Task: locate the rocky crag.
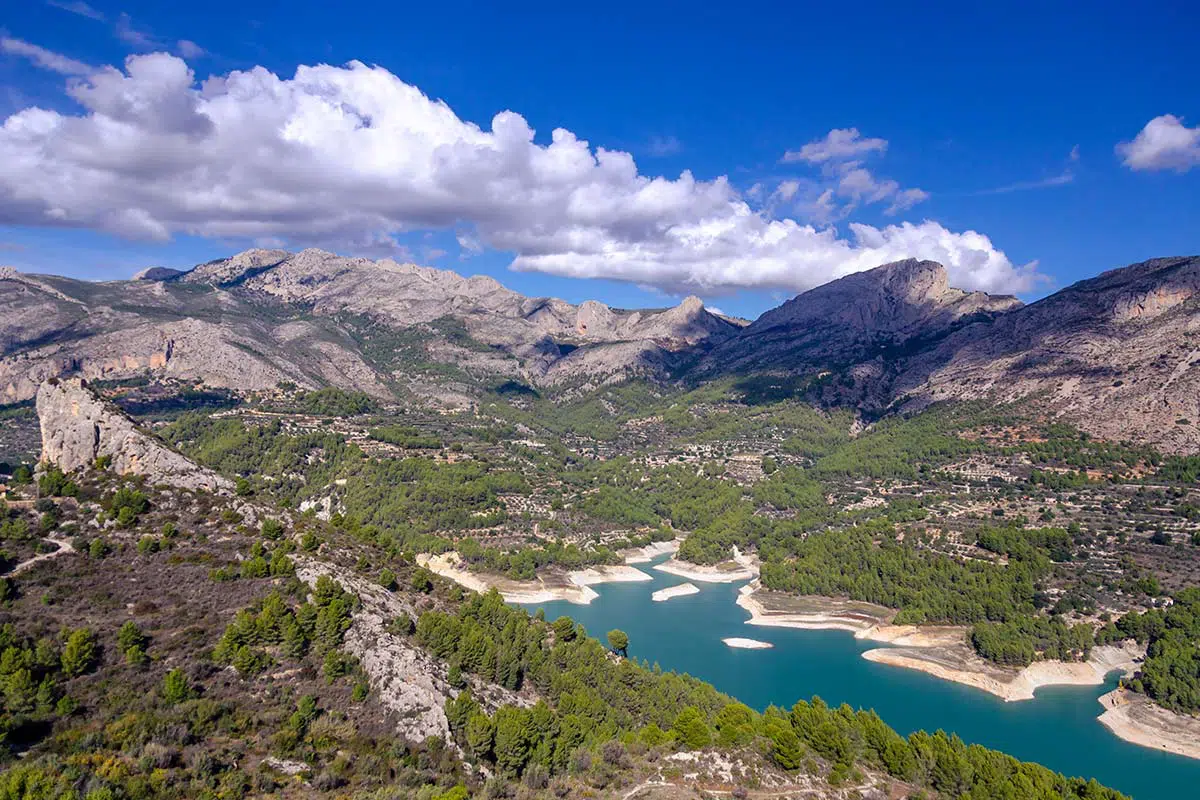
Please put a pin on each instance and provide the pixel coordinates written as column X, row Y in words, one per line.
column 78, row 427
column 1118, row 355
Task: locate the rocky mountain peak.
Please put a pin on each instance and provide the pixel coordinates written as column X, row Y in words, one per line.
column 235, row 268
column 892, row 298
column 157, row 274
column 915, row 280
column 78, row 427
column 691, row 306
column 594, row 318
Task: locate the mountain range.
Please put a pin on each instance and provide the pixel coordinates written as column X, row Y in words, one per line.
column 1118, row 355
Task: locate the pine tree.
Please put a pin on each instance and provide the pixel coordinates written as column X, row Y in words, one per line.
column 79, row 654
column 175, row 688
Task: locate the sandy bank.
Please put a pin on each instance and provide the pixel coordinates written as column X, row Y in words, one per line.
column 674, row 591
column 958, row 662
column 747, row 644
column 915, row 635
column 595, row 575
column 831, row 614
column 574, row 587
column 1136, row 719
column 739, row 568
column 644, row 555
column 721, row 573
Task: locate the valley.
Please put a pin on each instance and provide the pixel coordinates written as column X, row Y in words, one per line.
column 373, row 458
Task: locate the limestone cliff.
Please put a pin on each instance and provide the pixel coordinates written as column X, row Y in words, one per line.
column 78, row 427
column 1118, row 355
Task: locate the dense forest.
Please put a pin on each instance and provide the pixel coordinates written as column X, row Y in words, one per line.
column 868, row 563
column 1170, row 675
column 806, row 545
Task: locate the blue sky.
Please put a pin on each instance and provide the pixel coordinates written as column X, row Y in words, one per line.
column 1005, row 122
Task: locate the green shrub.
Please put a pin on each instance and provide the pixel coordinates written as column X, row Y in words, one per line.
column 176, row 688
column 387, row 579
column 80, row 652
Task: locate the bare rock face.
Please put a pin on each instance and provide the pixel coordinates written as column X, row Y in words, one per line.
column 313, row 318
column 407, row 680
column 225, row 271
column 1118, row 355
column 58, row 327
column 78, row 427
column 157, row 274
column 856, row 317
column 29, row 313
column 404, row 295
column 898, row 298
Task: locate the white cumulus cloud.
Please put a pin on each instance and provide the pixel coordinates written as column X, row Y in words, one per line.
column 1165, row 143
column 353, row 156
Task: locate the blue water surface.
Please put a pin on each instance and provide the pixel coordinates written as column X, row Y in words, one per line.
column 1058, row 728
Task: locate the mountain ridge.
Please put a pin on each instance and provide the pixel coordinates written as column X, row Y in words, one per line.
column 1118, row 354
column 262, row 317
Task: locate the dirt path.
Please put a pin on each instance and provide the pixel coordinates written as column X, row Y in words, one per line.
column 792, row 791
column 63, row 547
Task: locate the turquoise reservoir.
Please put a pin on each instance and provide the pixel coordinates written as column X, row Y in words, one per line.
column 1058, row 728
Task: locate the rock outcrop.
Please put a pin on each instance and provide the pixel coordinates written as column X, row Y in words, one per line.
column 78, row 427
column 407, row 680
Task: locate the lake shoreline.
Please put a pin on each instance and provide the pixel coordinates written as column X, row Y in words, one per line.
column 644, row 555
column 573, row 587
column 688, row 635
column 1136, row 719
column 1009, row 685
column 940, row 651
column 943, row 651
column 739, row 568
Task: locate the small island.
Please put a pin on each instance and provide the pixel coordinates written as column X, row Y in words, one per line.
column 747, row 644
column 682, row 590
